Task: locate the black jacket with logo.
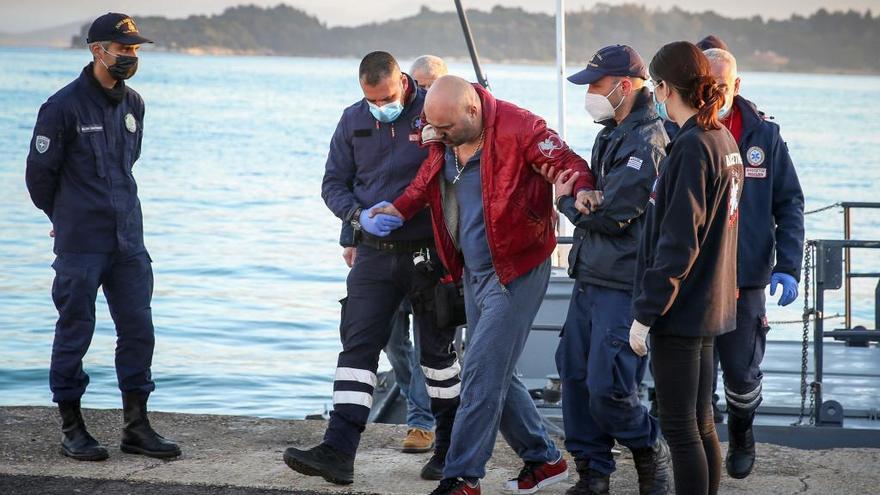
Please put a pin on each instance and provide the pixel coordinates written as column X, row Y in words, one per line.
column 686, row 266
column 79, row 168
column 625, row 161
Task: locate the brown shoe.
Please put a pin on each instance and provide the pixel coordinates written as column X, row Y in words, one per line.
column 418, row 440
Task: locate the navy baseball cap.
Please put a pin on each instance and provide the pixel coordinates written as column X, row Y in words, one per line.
column 711, row 41
column 614, row 60
column 116, row 27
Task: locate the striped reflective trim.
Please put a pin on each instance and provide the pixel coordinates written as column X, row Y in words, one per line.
column 444, row 392
column 444, row 374
column 744, row 401
column 356, row 398
column 356, row 375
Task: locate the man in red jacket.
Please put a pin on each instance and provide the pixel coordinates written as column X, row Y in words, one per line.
column 494, row 228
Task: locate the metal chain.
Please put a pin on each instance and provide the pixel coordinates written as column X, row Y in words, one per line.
column 808, row 262
column 801, row 320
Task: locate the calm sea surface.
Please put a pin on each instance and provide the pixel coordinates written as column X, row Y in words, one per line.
column 248, row 270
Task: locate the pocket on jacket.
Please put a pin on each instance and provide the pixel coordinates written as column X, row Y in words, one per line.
column 98, row 151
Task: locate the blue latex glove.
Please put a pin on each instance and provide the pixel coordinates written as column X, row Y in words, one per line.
column 789, row 288
column 380, row 225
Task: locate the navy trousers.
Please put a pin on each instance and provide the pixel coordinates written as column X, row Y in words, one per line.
column 741, row 352
column 600, row 377
column 377, row 284
column 127, row 280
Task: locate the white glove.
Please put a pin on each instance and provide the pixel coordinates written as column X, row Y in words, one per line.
column 638, row 334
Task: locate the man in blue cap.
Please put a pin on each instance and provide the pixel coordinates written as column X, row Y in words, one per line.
column 85, row 143
column 600, row 373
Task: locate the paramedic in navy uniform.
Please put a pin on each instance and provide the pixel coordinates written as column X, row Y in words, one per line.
column 79, row 172
column 685, row 289
column 770, row 251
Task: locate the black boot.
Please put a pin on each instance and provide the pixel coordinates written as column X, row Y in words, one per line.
column 591, row 482
column 652, row 465
column 324, row 461
column 717, row 413
column 138, row 437
column 76, row 442
column 741, row 446
column 433, row 470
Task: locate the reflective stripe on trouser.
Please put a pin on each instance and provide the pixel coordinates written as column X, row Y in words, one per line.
column 492, row 397
column 600, row 376
column 127, row 280
column 377, row 283
column 741, row 352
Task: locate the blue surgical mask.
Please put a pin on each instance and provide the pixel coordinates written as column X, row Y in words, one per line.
column 386, row 113
column 660, row 107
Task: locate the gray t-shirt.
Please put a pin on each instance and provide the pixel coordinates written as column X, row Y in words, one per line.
column 468, row 193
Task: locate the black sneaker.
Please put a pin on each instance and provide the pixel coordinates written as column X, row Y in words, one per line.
column 457, row 486
column 433, row 470
column 324, row 461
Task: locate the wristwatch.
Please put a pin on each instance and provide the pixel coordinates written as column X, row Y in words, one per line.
column 355, row 220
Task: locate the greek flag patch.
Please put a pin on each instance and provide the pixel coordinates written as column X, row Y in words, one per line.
column 635, row 163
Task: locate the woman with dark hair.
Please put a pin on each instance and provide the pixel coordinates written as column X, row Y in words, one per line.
column 685, row 292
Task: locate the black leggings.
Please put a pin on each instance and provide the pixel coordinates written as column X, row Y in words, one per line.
column 683, row 369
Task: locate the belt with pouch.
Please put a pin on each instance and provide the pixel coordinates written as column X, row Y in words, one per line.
column 396, row 246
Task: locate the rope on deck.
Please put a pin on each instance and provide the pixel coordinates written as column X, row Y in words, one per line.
column 819, row 210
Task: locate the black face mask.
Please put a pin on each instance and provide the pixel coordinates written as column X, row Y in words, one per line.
column 124, row 68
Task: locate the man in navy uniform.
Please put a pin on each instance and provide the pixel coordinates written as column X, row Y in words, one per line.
column 770, row 251
column 375, row 154
column 600, row 376
column 79, row 172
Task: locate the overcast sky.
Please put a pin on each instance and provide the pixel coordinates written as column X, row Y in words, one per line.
column 28, row 15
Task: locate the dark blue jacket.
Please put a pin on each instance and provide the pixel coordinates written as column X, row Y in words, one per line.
column 771, row 225
column 625, row 162
column 370, row 161
column 79, row 167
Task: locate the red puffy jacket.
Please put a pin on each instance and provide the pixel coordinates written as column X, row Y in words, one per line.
column 517, row 201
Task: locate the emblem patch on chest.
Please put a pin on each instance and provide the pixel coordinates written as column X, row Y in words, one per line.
column 130, row 122
column 755, row 156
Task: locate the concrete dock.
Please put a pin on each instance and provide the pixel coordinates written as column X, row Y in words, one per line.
column 231, row 455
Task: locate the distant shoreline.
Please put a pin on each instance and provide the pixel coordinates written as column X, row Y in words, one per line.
column 209, row 51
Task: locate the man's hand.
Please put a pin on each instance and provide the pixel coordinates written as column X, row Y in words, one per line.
column 587, row 202
column 549, row 173
column 638, row 337
column 564, row 184
column 385, row 208
column 349, row 254
column 378, row 223
column 789, row 288
column 52, row 233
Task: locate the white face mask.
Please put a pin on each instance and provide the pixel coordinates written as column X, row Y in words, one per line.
column 599, row 107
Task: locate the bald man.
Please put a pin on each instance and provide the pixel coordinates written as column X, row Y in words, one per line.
column 427, row 69
column 494, row 229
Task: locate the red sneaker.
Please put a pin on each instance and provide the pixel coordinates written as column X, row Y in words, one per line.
column 457, row 486
column 536, row 475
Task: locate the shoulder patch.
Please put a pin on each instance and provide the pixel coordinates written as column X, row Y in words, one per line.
column 635, row 163
column 130, row 122
column 550, row 145
column 41, row 144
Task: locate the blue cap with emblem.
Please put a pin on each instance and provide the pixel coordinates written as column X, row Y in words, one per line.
column 115, row 27
column 614, row 60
